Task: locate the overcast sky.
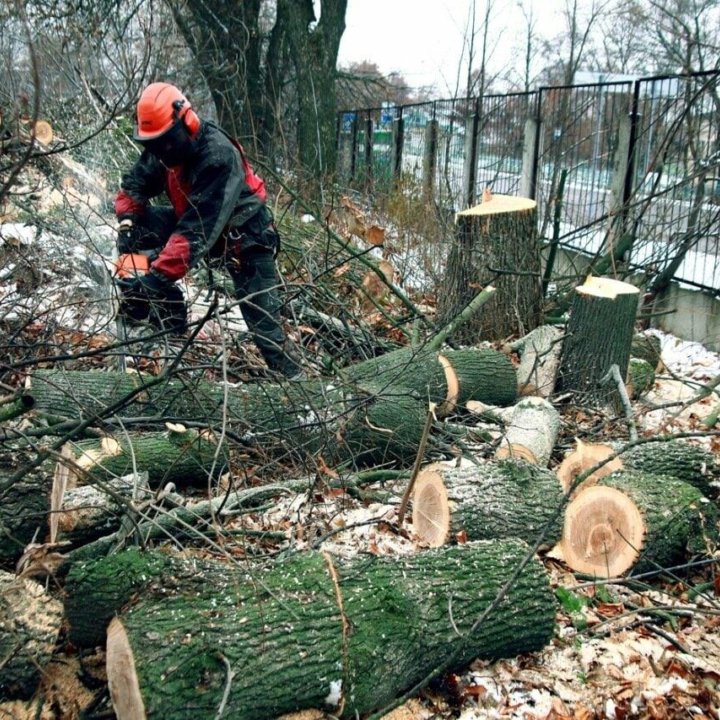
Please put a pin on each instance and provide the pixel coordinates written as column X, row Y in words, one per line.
column 424, row 40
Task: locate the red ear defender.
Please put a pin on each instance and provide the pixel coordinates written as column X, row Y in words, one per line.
column 183, row 110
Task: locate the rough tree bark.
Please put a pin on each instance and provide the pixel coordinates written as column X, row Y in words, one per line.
column 599, row 334
column 502, row 499
column 531, row 431
column 310, row 631
column 497, row 244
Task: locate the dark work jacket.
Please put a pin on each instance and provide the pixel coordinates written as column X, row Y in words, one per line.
column 208, row 192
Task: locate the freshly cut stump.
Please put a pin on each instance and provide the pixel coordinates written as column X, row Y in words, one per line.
column 315, row 631
column 599, row 334
column 499, row 499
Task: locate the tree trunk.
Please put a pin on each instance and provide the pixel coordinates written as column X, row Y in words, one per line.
column 29, row 625
column 310, row 631
column 531, row 432
column 599, row 335
column 638, row 521
column 503, row 499
column 497, row 244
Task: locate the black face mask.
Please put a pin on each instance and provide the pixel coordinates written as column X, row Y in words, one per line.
column 173, row 147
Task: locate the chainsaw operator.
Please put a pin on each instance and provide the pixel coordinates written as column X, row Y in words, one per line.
column 217, row 211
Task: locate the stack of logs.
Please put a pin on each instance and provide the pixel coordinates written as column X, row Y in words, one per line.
column 187, row 636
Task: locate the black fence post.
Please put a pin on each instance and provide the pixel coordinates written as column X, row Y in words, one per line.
column 369, row 149
column 472, row 127
column 353, row 146
column 430, row 158
column 398, row 142
column 535, row 162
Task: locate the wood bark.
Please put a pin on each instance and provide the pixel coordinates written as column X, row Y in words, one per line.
column 496, row 244
column 599, row 335
column 500, row 499
column 648, row 348
column 312, row 630
column 531, row 432
column 636, row 521
column 640, row 377
column 539, row 360
column 29, row 626
column 180, row 455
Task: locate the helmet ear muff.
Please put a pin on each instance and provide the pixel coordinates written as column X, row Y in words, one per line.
column 183, row 110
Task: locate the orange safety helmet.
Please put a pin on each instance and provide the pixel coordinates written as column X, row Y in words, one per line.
column 160, row 107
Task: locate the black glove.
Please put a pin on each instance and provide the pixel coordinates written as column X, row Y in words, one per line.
column 128, row 237
column 153, row 297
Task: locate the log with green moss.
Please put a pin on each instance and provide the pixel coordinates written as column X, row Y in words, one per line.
column 499, row 499
column 183, row 456
column 678, row 458
column 637, row 521
column 648, row 348
column 311, row 630
column 640, row 377
column 485, row 375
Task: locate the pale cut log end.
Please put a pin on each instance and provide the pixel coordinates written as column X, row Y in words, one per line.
column 582, row 459
column 453, row 388
column 603, row 533
column 122, row 677
column 606, row 287
column 516, row 452
column 498, row 204
column 431, row 510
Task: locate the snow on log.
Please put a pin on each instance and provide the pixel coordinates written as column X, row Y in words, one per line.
column 496, row 243
column 531, row 432
column 311, row 630
column 499, row 499
column 539, row 353
column 636, row 521
column 29, row 625
column 599, row 334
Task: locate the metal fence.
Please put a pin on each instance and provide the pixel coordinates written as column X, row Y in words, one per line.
column 633, row 165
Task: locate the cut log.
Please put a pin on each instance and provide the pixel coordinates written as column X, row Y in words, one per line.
column 640, row 377
column 313, row 630
column 680, row 459
column 636, row 521
column 599, row 334
column 29, row 625
column 539, row 353
column 502, row 499
column 179, row 455
column 580, row 460
column 450, row 377
column 86, row 513
column 496, row 244
column 531, row 432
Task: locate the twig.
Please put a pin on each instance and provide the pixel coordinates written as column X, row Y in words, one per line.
column 418, row 461
column 228, row 684
column 471, row 308
column 614, row 374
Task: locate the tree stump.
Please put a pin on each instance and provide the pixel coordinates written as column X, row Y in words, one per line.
column 636, row 521
column 312, row 630
column 501, row 499
column 496, row 244
column 599, row 335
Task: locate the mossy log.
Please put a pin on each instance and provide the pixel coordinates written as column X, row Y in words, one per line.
column 496, row 243
column 636, row 521
column 180, row 455
column 640, row 377
column 499, row 499
column 531, row 432
column 24, row 510
column 311, row 416
column 311, row 630
column 29, row 626
column 447, row 378
column 648, row 348
column 599, row 335
column 680, row 459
